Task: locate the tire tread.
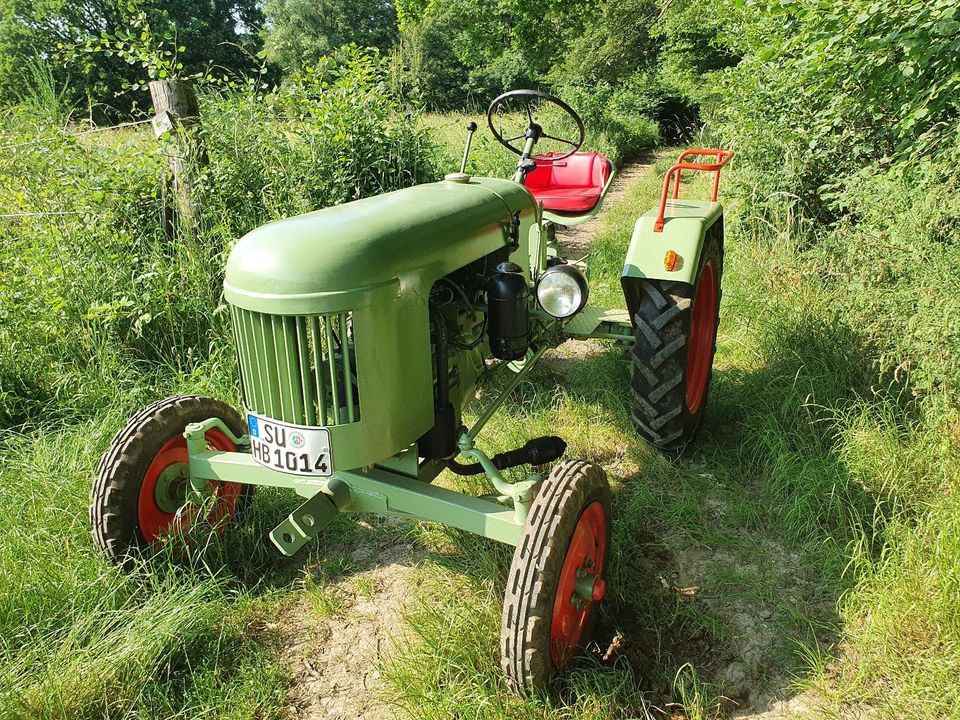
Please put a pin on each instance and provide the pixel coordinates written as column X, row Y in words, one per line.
column 659, row 357
column 530, row 592
column 115, row 490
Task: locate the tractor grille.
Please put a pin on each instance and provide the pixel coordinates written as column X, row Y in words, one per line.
column 298, row 369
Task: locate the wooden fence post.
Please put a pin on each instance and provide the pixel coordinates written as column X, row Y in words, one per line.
column 178, row 111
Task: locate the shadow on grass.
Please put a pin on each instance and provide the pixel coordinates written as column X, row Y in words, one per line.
column 730, row 560
column 727, row 564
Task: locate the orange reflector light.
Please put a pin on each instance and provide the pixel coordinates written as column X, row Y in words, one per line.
column 671, row 261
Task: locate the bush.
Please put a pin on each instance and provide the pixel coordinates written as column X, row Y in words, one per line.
column 96, row 304
column 621, row 117
column 894, row 256
column 824, row 89
column 330, row 134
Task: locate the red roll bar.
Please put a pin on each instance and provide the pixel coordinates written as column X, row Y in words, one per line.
column 722, row 156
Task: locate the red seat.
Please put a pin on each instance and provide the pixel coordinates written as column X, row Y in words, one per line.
column 573, row 184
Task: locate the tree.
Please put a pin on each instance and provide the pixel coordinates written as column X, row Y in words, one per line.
column 303, row 31
column 217, row 33
column 454, row 52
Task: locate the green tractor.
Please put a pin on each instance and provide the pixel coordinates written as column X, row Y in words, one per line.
column 364, row 330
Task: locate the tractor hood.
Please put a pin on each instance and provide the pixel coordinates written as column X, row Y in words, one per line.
column 327, row 260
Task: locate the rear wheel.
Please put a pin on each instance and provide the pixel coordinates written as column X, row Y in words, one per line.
column 557, row 577
column 139, row 495
column 676, row 337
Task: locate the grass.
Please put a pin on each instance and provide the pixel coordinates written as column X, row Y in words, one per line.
column 707, row 522
column 808, row 541
column 777, row 554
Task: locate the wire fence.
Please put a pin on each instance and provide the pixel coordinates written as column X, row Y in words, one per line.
column 41, row 140
column 43, row 214
column 49, row 138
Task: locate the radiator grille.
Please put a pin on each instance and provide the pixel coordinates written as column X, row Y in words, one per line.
column 298, row 369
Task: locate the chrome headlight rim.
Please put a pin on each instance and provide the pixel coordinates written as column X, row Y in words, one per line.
column 569, row 272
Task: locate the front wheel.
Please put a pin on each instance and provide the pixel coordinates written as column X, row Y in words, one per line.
column 676, row 336
column 139, row 495
column 557, row 577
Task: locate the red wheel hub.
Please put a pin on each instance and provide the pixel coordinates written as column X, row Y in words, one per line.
column 703, row 333
column 581, row 584
column 154, row 520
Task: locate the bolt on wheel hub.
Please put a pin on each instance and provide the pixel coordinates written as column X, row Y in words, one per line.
column 170, row 492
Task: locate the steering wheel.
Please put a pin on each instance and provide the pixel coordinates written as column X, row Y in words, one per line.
column 534, row 130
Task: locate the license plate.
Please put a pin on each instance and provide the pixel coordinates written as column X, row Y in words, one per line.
column 294, row 449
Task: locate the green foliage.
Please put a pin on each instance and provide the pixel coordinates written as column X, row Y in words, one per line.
column 301, row 32
column 214, row 34
column 827, row 88
column 426, row 68
column 498, row 44
column 338, row 135
column 611, row 43
column 92, row 287
column 601, row 58
column 409, row 12
column 881, row 72
column 619, row 119
column 445, row 54
column 692, row 37
column 896, row 246
column 136, row 44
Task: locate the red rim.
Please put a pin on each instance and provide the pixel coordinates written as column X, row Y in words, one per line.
column 703, row 333
column 154, row 521
column 586, row 554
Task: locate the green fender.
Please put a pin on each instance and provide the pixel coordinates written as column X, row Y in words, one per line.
column 685, row 226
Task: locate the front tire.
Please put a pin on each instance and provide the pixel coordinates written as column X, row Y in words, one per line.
column 139, row 495
column 672, row 356
column 557, row 577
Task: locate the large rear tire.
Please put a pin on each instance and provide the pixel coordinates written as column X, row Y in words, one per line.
column 676, row 337
column 139, row 495
column 557, row 577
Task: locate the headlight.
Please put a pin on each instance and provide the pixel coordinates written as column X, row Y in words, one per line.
column 562, row 291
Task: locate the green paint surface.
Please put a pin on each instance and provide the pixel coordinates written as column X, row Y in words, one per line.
column 373, row 261
column 685, row 225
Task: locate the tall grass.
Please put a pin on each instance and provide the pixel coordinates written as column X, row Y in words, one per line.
column 100, row 313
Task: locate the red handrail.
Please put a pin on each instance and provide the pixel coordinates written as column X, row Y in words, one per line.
column 722, row 156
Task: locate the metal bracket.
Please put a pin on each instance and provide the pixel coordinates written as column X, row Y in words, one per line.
column 528, row 364
column 196, row 437
column 522, row 493
column 196, row 433
column 372, row 490
column 303, row 524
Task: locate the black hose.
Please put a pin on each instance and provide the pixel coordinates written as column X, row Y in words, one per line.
column 461, row 469
column 536, row 452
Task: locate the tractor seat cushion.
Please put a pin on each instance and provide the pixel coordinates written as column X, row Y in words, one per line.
column 573, row 184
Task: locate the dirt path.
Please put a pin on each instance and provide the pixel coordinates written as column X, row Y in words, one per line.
column 576, row 240
column 338, row 630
